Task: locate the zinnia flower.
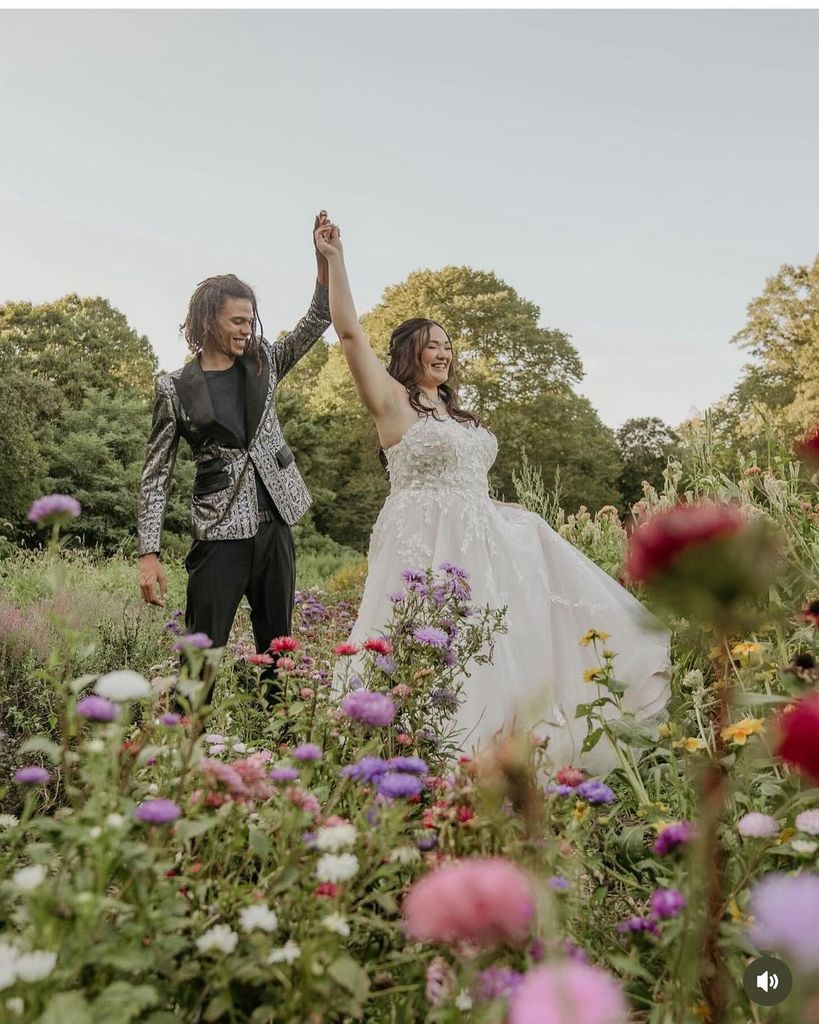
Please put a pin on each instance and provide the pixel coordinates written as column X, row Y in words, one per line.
column 32, row 775
column 754, row 825
column 157, row 812
column 568, row 993
column 799, row 735
column 122, row 685
column 785, row 911
column 369, row 707
column 284, row 644
column 484, row 902
column 97, row 709
column 54, row 509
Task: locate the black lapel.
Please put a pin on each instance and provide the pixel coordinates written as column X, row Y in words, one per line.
column 256, row 385
column 192, row 388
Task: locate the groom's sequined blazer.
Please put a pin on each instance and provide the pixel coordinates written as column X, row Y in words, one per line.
column 224, row 494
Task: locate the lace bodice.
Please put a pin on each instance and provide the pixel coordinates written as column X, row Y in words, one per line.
column 442, row 455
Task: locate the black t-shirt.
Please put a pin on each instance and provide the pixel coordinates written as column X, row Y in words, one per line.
column 227, row 393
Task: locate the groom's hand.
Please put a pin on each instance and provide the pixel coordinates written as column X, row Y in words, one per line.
column 322, row 270
column 152, row 582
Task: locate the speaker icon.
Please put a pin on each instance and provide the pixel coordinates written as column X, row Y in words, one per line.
column 767, row 980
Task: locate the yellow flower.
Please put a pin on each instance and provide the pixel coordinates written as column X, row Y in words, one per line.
column 608, row 653
column 581, row 810
column 786, row 835
column 703, row 1011
column 666, row 729
column 690, row 743
column 592, row 635
column 740, row 731
column 747, row 653
column 734, row 912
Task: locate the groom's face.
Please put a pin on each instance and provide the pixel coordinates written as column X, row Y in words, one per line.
column 436, row 358
column 235, row 326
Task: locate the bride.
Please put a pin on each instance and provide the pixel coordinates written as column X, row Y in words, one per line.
column 438, row 457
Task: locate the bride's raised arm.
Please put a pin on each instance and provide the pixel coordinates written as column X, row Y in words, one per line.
column 376, row 388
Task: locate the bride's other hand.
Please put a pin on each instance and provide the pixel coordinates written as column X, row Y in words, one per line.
column 328, row 240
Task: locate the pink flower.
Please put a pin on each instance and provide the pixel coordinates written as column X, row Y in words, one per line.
column 568, row 993
column 306, row 692
column 306, row 800
column 754, row 825
column 401, row 691
column 286, row 664
column 284, row 643
column 346, row 650
column 369, row 707
column 253, row 772
column 218, row 771
column 259, row 659
column 403, row 739
column 484, row 902
column 570, row 776
column 378, row 644
column 54, row 508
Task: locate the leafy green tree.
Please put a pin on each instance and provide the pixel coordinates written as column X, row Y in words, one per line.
column 22, row 467
column 645, row 444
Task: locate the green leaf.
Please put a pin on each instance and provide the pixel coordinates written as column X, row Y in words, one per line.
column 259, row 843
column 41, row 745
column 591, row 740
column 190, row 829
column 130, row 959
column 631, row 732
column 351, row 976
column 66, row 1008
column 218, row 1006
column 122, row 1002
column 629, row 967
column 149, row 752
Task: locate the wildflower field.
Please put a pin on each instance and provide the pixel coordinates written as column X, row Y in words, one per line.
column 291, row 857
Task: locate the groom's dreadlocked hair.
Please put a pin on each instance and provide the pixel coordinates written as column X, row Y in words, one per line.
column 406, row 344
column 205, row 306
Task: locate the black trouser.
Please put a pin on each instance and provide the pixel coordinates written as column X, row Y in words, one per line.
column 261, row 568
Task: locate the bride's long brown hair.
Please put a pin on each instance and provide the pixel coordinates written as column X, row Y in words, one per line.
column 406, row 344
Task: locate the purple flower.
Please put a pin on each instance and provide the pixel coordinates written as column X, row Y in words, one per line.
column 413, row 576
column 595, row 792
column 307, row 752
column 413, row 765
column 453, row 570
column 284, row 774
column 574, row 952
column 170, row 719
column 430, row 636
column 54, row 508
column 97, row 709
column 439, row 595
column 444, row 698
column 638, row 924
column 449, row 658
column 558, row 883
column 559, row 789
column 398, row 785
column 386, row 663
column 308, row 838
column 366, row 770
column 368, row 707
column 497, row 983
column 785, row 910
column 396, row 597
column 672, row 836
column 157, row 812
column 428, row 841
column 200, row 640
column 172, row 626
column 32, row 775
column 667, row 902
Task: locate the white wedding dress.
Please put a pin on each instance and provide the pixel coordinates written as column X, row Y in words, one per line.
column 439, row 510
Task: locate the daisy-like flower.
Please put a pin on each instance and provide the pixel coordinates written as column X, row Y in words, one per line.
column 27, row 879
column 754, row 825
column 286, row 954
column 337, row 837
column 221, row 938
column 690, row 744
column 431, row 636
column 257, row 915
column 739, row 732
column 593, row 634
column 337, row 867
column 747, row 653
column 369, row 707
column 594, row 675
column 366, row 769
column 337, row 923
column 808, row 821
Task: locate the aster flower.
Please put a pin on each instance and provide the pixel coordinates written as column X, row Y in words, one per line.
column 170, row 719
column 157, row 812
column 284, row 773
column 568, row 993
column 754, row 825
column 413, row 576
column 307, row 752
column 379, row 644
column 638, row 923
column 497, row 983
column 444, row 698
column 408, row 764
column 558, row 883
column 32, row 775
column 369, row 707
column 367, row 769
column 454, row 570
column 553, row 789
column 97, row 709
column 199, row 640
column 595, row 792
column 667, row 902
column 385, row 663
column 431, row 636
column 284, row 645
column 54, row 509
column 346, row 650
column 261, row 660
column 672, row 836
column 397, row 785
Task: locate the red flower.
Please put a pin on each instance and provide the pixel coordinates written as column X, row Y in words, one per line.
column 808, row 447
column 403, row 739
column 654, row 546
column 282, row 644
column 214, row 800
column 378, row 644
column 345, row 650
column 259, row 659
column 326, row 889
column 811, row 613
column 570, row 776
column 799, row 736
column 465, row 814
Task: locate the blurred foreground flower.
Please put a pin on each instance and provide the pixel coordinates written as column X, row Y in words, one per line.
column 568, row 993
column 54, row 510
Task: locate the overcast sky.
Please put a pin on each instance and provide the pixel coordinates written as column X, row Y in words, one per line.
column 637, row 175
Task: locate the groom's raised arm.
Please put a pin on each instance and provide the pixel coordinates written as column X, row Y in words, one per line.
column 287, row 351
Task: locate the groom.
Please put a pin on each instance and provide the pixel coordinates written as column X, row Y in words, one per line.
column 248, row 491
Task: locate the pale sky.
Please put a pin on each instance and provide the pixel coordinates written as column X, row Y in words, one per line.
column 636, row 174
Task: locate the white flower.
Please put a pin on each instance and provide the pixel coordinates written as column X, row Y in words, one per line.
column 95, row 746
column 215, row 737
column 217, row 748
column 115, row 820
column 258, row 916
column 754, row 825
column 808, row 821
column 220, row 937
column 35, row 966
column 153, row 787
column 240, row 748
column 287, row 953
column 804, row 845
column 463, row 1000
column 26, row 879
column 8, row 821
column 336, row 837
column 337, row 867
column 95, row 832
column 8, row 965
column 405, row 855
column 337, row 923
column 122, row 685
column 16, row 1006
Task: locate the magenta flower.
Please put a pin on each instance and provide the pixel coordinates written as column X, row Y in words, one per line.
column 32, row 775
column 398, row 785
column 307, row 752
column 97, row 709
column 497, row 983
column 171, row 719
column 54, row 508
column 638, row 924
column 672, row 836
column 568, row 993
column 368, row 707
column 667, row 902
column 157, row 812
column 431, row 636
column 200, row 640
column 284, row 774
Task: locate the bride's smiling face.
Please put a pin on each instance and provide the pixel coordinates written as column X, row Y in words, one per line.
column 435, row 358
